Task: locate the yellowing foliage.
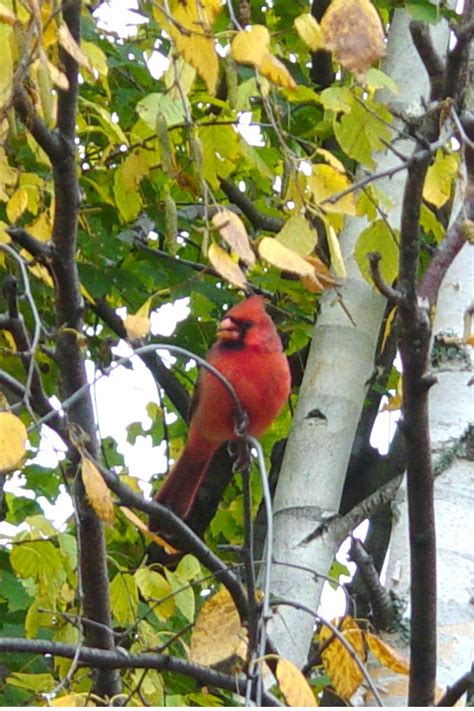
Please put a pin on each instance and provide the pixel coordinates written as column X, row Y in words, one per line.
column 189, row 26
column 12, row 441
column 97, row 491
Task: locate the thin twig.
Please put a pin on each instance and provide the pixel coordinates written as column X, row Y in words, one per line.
column 338, row 634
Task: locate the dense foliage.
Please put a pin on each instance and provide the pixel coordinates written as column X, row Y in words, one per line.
column 266, row 125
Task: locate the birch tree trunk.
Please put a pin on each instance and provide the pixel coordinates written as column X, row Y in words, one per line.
column 340, row 363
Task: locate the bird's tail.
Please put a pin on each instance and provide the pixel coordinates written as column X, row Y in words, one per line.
column 182, row 483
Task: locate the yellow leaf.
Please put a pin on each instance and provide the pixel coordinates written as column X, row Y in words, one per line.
column 324, row 182
column 190, row 30
column 439, row 179
column 7, row 16
column 137, row 327
column 179, row 77
column 395, row 402
column 96, row 57
column 331, row 159
column 339, row 665
column 73, row 700
column 6, row 66
column 17, row 204
column 251, row 45
column 337, row 262
column 57, row 76
column 283, row 258
column 353, row 32
column 98, row 493
column 69, row 44
column 217, row 635
column 293, row 685
column 387, row 655
column 141, row 525
column 41, row 228
column 276, row 72
column 226, row 267
column 388, row 327
column 310, row 31
column 4, row 237
column 232, row 230
column 12, row 441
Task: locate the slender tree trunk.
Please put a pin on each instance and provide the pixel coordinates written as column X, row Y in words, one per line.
column 339, row 366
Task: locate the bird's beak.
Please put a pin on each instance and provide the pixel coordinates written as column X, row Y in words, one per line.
column 228, row 330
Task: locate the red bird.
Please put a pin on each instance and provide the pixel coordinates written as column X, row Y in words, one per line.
column 248, row 352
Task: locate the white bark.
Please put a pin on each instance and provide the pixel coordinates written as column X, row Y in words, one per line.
column 340, row 363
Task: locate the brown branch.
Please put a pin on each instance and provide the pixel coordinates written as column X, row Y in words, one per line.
column 183, row 536
column 414, row 342
column 41, row 250
column 339, row 527
column 380, row 601
column 457, row 74
column 106, row 659
column 257, row 219
column 392, row 295
column 447, row 250
column 60, row 147
column 421, row 36
column 453, row 693
column 50, row 141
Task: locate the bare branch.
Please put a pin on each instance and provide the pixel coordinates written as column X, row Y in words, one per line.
column 106, row 659
column 257, row 219
column 421, row 36
column 448, row 248
column 453, row 693
column 392, row 295
column 380, row 601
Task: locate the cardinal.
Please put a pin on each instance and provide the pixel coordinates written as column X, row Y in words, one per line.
column 249, row 353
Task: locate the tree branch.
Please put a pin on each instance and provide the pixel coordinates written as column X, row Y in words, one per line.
column 414, row 343
column 106, row 659
column 421, row 36
column 380, row 601
column 448, row 248
column 50, row 141
column 182, row 535
column 392, row 295
column 257, row 219
column 461, row 686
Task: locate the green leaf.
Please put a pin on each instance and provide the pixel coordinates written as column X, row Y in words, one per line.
column 13, row 592
column 184, row 597
column 335, row 571
column 363, row 130
column 298, row 235
column 338, row 99
column 154, row 587
column 154, row 104
column 377, row 237
column 220, row 146
column 377, row 79
column 39, row 683
column 189, row 568
column 124, row 598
